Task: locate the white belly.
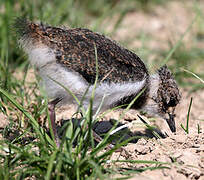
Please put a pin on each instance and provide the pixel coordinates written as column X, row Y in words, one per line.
column 109, row 92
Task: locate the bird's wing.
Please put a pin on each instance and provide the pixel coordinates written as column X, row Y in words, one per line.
column 115, row 63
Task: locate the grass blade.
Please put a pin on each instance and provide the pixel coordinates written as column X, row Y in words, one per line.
column 50, row 165
column 188, row 117
column 193, row 74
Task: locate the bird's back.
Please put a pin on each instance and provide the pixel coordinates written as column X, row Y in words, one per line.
column 75, row 50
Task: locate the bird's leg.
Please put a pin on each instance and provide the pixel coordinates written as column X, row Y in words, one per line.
column 51, row 110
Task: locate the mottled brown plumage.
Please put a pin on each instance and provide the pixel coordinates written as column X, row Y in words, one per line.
column 168, row 91
column 68, row 56
column 74, row 49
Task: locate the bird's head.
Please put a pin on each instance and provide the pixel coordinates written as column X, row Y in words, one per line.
column 164, row 95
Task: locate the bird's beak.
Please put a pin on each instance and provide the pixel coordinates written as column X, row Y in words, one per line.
column 171, row 122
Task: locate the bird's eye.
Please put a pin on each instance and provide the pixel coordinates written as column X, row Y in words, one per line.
column 172, row 102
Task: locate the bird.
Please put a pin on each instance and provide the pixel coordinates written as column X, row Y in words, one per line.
column 74, row 57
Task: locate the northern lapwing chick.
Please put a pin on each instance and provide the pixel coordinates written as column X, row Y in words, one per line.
column 68, row 57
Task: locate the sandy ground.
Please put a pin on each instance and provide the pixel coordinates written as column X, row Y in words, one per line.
column 185, row 150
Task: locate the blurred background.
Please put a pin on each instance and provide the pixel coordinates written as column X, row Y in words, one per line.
column 159, row 31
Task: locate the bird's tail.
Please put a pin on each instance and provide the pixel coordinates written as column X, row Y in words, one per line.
column 23, row 27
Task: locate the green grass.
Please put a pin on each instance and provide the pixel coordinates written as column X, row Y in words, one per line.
column 28, row 149
column 187, row 119
column 186, row 129
column 40, row 158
